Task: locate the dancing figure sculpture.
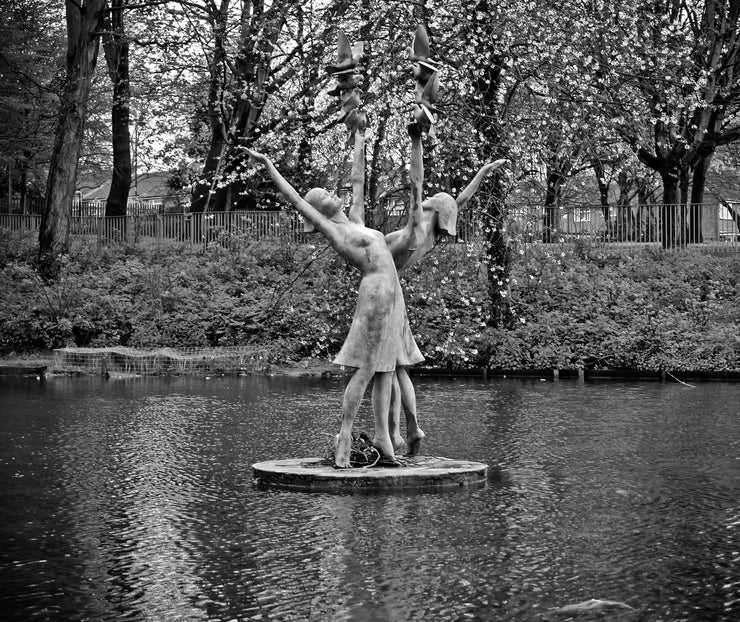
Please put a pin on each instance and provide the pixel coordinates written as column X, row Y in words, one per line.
column 380, row 346
column 379, row 338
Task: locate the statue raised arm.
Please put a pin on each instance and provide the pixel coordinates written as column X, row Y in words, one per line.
column 427, row 221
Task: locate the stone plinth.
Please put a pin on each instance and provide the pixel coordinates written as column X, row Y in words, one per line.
column 418, row 472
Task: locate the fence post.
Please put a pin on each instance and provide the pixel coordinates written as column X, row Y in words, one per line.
column 715, row 219
column 157, row 231
column 101, row 231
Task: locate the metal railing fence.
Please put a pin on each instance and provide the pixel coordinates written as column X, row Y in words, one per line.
column 663, row 226
column 666, row 226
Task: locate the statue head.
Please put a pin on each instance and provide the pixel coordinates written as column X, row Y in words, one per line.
column 442, row 210
column 325, row 202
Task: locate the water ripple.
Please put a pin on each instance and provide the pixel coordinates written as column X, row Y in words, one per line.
column 134, row 501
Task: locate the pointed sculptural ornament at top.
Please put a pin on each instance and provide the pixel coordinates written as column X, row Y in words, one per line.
column 348, row 78
column 427, row 82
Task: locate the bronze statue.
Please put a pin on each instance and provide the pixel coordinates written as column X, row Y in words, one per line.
column 380, row 338
column 380, row 345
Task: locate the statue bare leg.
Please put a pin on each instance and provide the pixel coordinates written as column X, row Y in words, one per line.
column 353, row 394
column 414, row 433
column 394, row 415
column 381, row 401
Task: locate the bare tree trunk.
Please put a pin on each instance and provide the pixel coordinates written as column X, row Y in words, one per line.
column 206, row 195
column 698, row 184
column 24, row 189
column 603, row 185
column 668, row 164
column 669, row 213
column 82, row 52
column 486, row 88
column 627, row 224
column 116, row 46
column 555, row 182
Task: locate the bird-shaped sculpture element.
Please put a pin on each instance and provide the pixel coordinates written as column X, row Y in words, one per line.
column 349, row 100
column 428, row 95
column 424, row 110
column 420, row 49
column 348, row 79
column 427, row 82
column 355, row 121
column 347, row 57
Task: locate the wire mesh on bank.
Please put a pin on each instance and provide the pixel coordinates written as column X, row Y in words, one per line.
column 160, row 361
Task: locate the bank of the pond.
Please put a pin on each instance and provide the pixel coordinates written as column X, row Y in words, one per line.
column 47, row 366
column 570, row 308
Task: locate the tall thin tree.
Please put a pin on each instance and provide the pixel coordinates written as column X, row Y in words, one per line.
column 116, row 48
column 83, row 42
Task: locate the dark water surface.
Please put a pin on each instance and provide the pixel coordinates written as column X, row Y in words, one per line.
column 134, row 501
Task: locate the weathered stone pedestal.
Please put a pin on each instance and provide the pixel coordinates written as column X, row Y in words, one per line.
column 418, row 472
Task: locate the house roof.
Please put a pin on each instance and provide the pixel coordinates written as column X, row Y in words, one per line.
column 145, row 185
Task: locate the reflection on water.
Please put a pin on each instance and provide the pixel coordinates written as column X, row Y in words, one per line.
column 133, row 501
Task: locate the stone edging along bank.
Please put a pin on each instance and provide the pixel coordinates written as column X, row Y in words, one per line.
column 39, row 367
column 583, row 374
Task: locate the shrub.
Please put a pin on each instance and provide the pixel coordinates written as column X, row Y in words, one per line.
column 571, row 309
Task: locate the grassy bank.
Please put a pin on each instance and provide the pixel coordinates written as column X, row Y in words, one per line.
column 573, row 308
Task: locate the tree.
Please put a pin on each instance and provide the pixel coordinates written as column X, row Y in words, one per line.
column 29, row 60
column 670, row 83
column 83, row 41
column 485, row 102
column 116, row 48
column 242, row 74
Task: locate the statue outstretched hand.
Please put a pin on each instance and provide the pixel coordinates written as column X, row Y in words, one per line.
column 492, row 166
column 258, row 157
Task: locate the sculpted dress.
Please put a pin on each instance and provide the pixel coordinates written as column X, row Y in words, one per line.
column 380, row 337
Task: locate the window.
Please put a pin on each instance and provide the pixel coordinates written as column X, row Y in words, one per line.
column 581, row 214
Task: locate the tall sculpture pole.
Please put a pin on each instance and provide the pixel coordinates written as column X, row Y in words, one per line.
column 427, row 83
column 427, row 221
column 347, row 89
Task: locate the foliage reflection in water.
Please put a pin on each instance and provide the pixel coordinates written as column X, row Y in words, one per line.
column 133, row 500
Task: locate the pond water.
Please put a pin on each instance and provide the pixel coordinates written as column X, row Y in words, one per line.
column 133, row 500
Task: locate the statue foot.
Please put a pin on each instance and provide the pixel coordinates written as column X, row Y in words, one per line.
column 342, row 452
column 386, row 451
column 397, row 441
column 413, row 443
column 388, row 462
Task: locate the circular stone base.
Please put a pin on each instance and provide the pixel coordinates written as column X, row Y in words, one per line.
column 317, row 474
